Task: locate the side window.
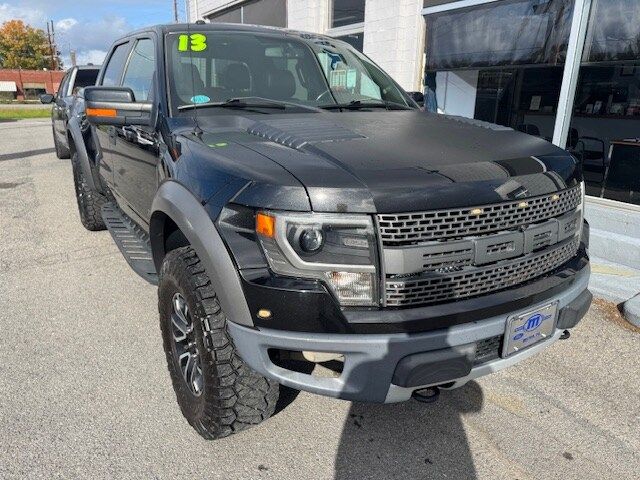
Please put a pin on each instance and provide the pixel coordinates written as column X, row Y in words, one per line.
column 140, row 70
column 64, row 85
column 115, row 66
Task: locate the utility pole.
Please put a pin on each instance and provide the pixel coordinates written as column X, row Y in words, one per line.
column 72, row 55
column 50, row 46
column 175, row 10
column 54, row 55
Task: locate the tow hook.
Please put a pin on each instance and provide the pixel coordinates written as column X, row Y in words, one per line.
column 426, row 395
column 565, row 335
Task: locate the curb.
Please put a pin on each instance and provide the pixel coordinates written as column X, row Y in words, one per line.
column 631, row 310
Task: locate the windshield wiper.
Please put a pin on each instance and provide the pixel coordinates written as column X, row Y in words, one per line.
column 249, row 102
column 359, row 104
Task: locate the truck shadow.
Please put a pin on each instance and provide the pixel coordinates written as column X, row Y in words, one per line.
column 409, row 440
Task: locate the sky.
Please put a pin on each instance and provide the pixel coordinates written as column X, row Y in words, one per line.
column 89, row 27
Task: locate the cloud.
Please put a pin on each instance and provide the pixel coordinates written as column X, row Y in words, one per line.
column 32, row 16
column 66, row 24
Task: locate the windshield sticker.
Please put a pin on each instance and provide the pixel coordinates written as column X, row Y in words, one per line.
column 338, row 79
column 196, row 42
column 352, row 76
column 200, row 99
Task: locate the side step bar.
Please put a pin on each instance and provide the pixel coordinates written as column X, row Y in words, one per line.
column 132, row 241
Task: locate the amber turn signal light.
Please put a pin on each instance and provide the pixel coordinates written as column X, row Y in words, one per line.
column 265, row 225
column 101, row 112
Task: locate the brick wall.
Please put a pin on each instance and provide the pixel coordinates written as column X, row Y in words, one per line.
column 51, row 79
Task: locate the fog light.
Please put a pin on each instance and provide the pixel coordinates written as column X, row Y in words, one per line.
column 352, row 289
column 311, row 240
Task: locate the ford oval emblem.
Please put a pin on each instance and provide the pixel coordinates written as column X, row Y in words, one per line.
column 533, row 322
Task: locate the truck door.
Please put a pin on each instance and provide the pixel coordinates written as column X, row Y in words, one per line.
column 136, row 149
column 112, row 76
column 59, row 108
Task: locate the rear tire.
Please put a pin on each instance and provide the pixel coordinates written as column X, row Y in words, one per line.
column 226, row 395
column 89, row 201
column 62, row 152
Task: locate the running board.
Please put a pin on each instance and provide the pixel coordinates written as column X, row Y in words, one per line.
column 132, row 241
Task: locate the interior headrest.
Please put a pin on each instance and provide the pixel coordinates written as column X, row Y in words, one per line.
column 281, row 84
column 237, row 77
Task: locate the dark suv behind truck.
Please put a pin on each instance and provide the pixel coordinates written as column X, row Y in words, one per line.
column 63, row 101
column 295, row 207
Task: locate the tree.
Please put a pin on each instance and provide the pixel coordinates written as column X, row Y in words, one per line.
column 22, row 46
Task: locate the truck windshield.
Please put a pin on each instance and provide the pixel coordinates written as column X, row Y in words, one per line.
column 208, row 69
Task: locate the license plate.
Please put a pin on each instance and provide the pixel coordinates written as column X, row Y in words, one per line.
column 529, row 328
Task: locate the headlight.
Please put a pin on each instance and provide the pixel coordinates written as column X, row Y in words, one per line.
column 339, row 250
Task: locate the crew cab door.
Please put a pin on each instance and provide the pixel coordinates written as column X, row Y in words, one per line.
column 111, row 76
column 136, row 148
column 59, row 110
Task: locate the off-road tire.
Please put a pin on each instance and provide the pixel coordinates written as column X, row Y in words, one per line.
column 233, row 397
column 62, row 152
column 89, row 201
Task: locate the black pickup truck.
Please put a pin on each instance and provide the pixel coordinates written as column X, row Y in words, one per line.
column 295, row 207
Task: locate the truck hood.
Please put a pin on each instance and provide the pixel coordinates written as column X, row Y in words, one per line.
column 400, row 161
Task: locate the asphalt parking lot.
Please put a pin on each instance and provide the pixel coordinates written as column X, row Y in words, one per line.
column 84, row 391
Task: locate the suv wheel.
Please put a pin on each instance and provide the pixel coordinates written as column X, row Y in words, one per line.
column 89, row 201
column 217, row 392
column 62, row 152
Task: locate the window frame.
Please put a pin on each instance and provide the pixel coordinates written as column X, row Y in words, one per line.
column 134, row 43
column 103, row 70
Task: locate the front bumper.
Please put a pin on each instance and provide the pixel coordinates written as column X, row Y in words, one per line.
column 371, row 370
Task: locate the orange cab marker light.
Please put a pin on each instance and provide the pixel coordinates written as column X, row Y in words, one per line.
column 101, row 112
column 265, row 225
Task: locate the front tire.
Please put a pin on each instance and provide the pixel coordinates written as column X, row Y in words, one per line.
column 89, row 201
column 217, row 392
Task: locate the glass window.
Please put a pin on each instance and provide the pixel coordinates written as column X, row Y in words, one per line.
column 613, row 31
column 514, row 32
column 113, row 71
column 64, row 85
column 85, row 78
column 356, row 40
column 499, row 62
column 140, row 70
column 233, row 65
column 266, row 12
column 606, row 110
column 272, row 13
column 229, row 16
column 346, row 12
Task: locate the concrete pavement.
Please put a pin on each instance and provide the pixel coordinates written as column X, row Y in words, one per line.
column 85, row 392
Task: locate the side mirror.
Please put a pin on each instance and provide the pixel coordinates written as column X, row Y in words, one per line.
column 115, row 106
column 418, row 97
column 46, row 98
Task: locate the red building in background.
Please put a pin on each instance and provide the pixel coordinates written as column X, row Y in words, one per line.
column 28, row 84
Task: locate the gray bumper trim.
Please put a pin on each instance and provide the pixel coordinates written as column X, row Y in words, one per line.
column 370, row 360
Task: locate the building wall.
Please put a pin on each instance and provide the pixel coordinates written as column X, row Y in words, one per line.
column 308, row 15
column 394, row 39
column 51, row 79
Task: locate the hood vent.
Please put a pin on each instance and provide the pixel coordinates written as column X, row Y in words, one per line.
column 295, row 132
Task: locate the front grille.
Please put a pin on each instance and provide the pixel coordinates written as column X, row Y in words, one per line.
column 414, row 228
column 434, row 287
column 487, row 349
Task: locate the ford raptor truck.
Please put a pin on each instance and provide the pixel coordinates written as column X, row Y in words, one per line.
column 295, row 207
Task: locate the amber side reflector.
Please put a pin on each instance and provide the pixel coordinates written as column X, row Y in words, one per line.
column 265, row 225
column 101, row 112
